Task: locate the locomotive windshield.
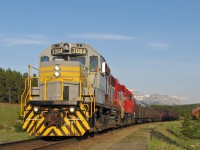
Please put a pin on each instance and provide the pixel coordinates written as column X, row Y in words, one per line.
column 81, row 59
column 59, row 58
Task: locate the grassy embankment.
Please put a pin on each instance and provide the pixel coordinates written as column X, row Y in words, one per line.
column 167, row 136
column 9, row 123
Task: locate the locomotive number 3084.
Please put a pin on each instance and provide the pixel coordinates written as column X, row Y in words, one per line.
column 75, row 50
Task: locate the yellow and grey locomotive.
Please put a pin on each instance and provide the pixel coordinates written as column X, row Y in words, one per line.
column 75, row 93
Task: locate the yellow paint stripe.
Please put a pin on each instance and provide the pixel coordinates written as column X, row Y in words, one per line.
column 29, row 107
column 62, row 68
column 47, row 131
column 38, row 125
column 78, row 125
column 44, row 74
column 24, row 124
column 85, row 109
column 65, row 130
column 57, row 131
column 31, row 133
column 51, row 134
column 30, row 126
column 47, row 69
column 61, row 79
column 85, row 123
column 70, row 74
column 63, row 74
column 32, row 122
column 69, row 124
column 27, row 120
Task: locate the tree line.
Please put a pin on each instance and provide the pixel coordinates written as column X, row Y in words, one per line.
column 181, row 110
column 12, row 85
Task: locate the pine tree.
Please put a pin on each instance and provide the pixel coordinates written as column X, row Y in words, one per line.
column 2, row 85
column 186, row 129
column 196, row 128
column 34, row 81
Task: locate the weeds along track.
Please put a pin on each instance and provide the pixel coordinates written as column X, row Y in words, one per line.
column 39, row 144
column 50, row 143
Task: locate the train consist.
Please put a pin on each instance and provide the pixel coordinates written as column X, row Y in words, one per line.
column 77, row 93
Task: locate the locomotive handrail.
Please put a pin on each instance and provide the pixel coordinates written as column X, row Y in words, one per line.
column 28, row 81
column 92, row 97
column 92, row 100
column 45, row 79
column 21, row 104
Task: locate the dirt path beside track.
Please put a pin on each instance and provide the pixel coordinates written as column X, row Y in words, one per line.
column 129, row 138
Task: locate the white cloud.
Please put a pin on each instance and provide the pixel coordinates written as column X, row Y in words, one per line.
column 23, row 40
column 102, row 36
column 159, row 45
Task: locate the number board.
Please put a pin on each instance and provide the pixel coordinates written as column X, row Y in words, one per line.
column 80, row 51
column 56, row 51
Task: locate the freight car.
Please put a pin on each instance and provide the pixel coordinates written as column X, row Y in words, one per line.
column 144, row 113
column 77, row 93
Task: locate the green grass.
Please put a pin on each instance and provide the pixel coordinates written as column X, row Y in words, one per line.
column 167, row 136
column 139, row 134
column 9, row 116
column 157, row 144
column 11, row 135
column 8, row 112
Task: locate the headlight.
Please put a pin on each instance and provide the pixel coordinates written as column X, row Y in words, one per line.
column 36, row 109
column 57, row 74
column 72, row 109
column 57, row 68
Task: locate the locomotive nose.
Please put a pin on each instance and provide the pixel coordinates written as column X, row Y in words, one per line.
column 60, row 81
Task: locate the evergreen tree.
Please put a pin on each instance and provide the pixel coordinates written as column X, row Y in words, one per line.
column 195, row 133
column 186, row 129
column 9, row 85
column 12, row 85
column 2, row 85
column 34, row 81
column 19, row 86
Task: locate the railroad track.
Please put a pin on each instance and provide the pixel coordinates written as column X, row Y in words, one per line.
column 49, row 143
column 39, row 144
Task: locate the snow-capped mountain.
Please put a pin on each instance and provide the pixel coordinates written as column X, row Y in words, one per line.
column 158, row 99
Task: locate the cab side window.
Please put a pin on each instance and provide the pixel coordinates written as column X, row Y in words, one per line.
column 80, row 59
column 44, row 58
column 93, row 63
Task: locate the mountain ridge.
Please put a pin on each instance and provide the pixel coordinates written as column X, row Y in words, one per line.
column 158, row 99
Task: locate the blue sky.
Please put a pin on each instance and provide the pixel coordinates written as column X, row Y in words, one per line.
column 152, row 46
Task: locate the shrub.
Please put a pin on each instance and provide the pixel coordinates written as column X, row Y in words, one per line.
column 190, row 129
column 18, row 125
